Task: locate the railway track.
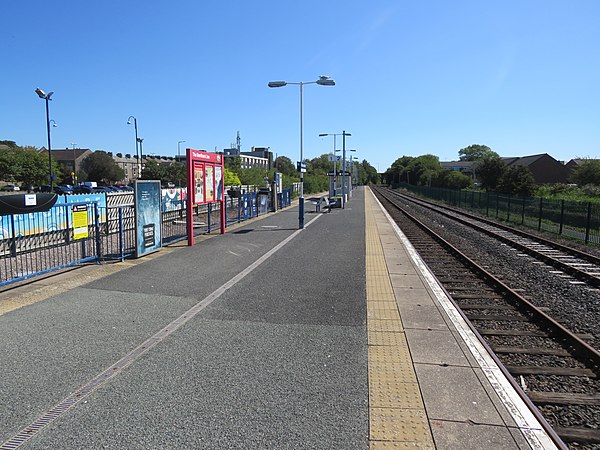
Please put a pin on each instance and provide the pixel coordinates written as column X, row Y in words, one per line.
column 552, row 367
column 579, row 264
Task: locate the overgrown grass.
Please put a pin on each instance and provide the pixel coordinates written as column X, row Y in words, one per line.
column 569, row 192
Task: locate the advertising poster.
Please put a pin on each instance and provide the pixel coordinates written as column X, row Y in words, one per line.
column 147, row 199
column 199, row 183
column 80, row 221
column 219, row 182
column 210, row 184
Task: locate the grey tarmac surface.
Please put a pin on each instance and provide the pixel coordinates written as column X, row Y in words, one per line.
column 279, row 360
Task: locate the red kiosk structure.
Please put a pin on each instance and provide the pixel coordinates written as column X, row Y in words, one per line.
column 205, row 174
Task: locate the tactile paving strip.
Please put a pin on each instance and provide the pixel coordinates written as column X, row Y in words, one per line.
column 397, row 417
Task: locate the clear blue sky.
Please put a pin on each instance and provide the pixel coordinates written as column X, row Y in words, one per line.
column 412, row 77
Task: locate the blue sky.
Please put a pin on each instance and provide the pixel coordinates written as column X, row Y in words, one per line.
column 411, row 77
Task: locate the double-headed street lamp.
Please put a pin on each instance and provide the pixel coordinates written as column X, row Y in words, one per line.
column 323, row 81
column 137, row 153
column 47, row 97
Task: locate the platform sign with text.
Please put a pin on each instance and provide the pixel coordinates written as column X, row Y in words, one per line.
column 147, row 199
column 205, row 174
column 80, row 221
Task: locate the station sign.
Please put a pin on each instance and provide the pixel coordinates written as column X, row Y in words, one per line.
column 301, row 166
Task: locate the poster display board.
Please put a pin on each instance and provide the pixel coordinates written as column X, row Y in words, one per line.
column 147, row 200
column 205, row 174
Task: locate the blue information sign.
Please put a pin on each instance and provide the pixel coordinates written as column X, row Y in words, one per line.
column 147, row 216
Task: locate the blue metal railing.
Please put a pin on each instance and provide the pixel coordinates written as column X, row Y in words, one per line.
column 38, row 243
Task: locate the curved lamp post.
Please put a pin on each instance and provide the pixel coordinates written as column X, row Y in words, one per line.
column 137, row 153
column 41, row 94
column 323, row 81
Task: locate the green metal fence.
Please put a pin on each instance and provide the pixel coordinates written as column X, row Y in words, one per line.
column 577, row 220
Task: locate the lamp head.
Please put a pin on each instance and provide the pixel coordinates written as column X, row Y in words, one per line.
column 325, row 81
column 323, row 134
column 40, row 93
column 274, row 84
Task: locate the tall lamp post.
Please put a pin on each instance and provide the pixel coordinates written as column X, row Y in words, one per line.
column 323, row 81
column 137, row 153
column 47, row 97
column 344, row 134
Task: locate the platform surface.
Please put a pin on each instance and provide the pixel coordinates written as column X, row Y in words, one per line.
column 265, row 337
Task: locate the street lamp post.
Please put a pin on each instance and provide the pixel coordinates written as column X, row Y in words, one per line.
column 323, row 81
column 141, row 159
column 74, row 173
column 137, row 154
column 41, row 94
column 344, row 134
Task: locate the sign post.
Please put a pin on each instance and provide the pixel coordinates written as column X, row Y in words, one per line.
column 205, row 174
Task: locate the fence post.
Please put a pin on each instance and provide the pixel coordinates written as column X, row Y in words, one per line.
column 562, row 216
column 487, row 205
column 68, row 230
column 13, row 241
column 239, row 204
column 508, row 209
column 472, row 198
column 97, row 226
column 588, row 223
column 121, row 235
column 523, row 212
column 540, row 214
column 209, row 214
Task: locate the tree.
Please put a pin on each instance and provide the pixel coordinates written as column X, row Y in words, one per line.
column 231, row 178
column 517, row 180
column 253, row 176
column 588, row 172
column 475, row 152
column 399, row 171
column 285, row 165
column 489, row 171
column 99, row 166
column 153, row 171
column 25, row 165
column 458, row 180
column 233, row 163
column 175, row 173
column 421, row 169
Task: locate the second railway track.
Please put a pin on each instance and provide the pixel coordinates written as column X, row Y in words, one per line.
column 557, row 368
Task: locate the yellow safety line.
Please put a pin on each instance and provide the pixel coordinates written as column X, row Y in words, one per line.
column 397, row 416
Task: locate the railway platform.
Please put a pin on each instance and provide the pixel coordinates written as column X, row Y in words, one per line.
column 334, row 336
